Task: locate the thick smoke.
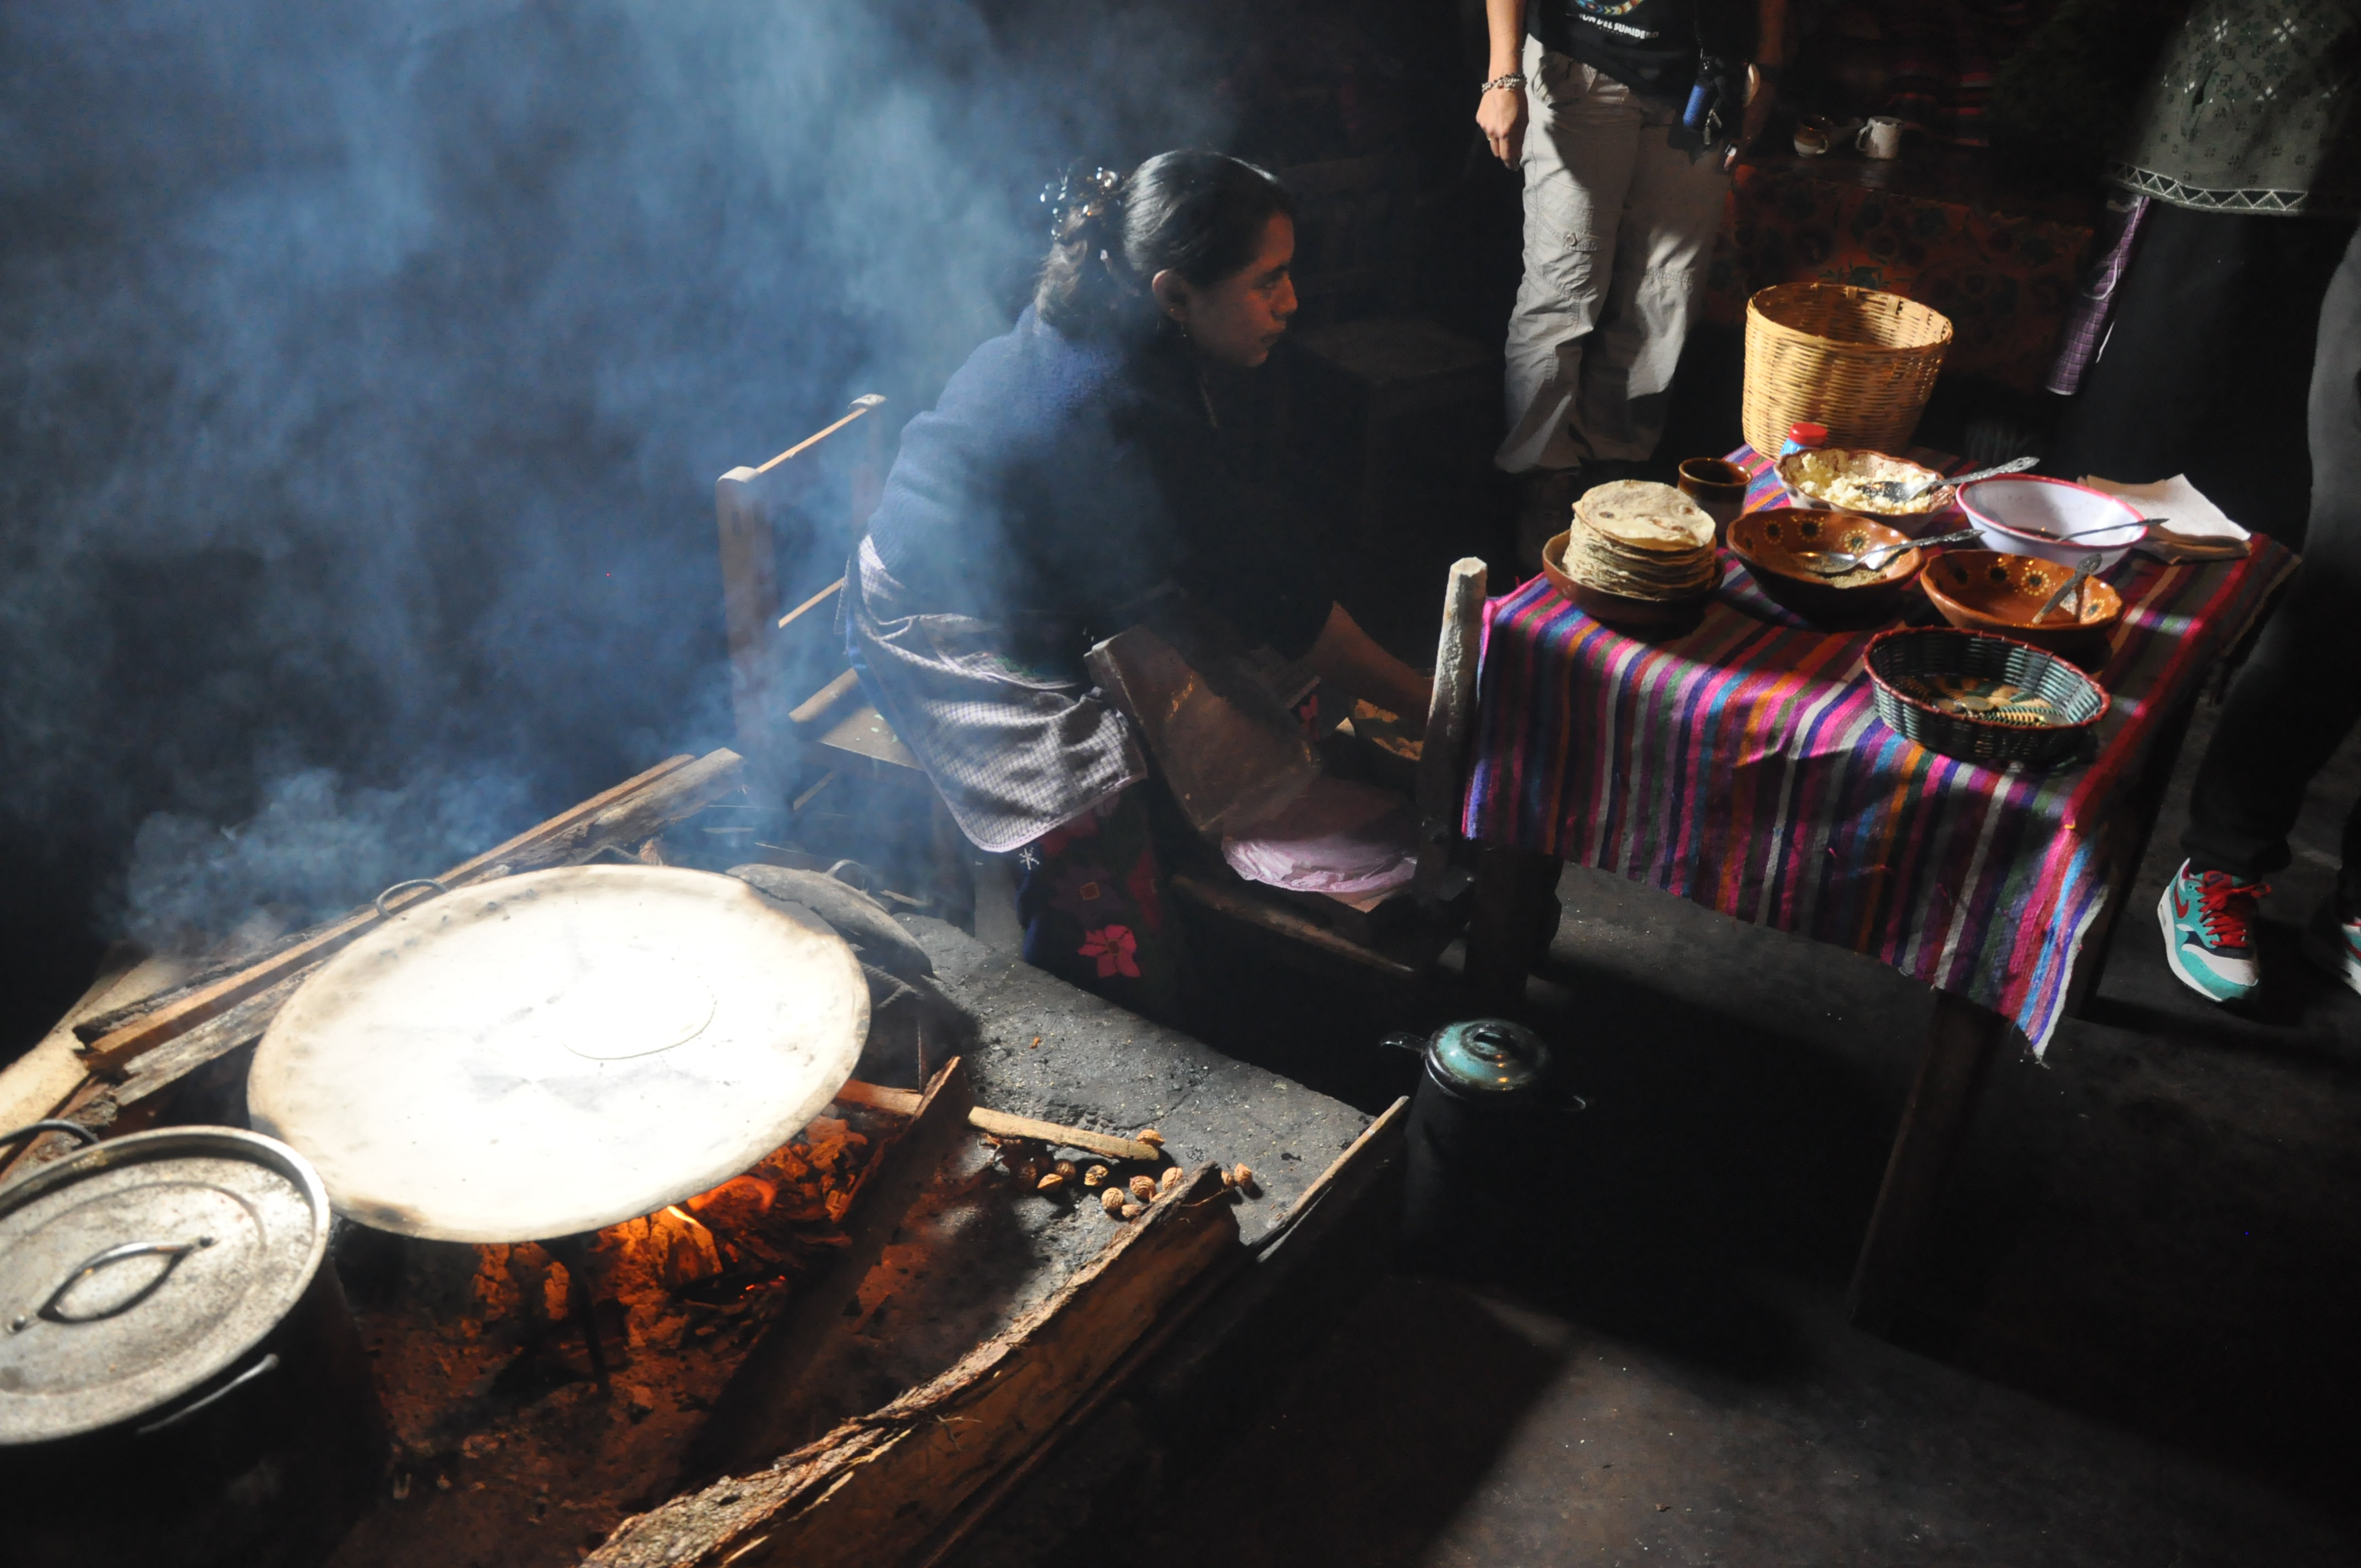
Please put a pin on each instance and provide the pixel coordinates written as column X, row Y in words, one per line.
column 369, row 367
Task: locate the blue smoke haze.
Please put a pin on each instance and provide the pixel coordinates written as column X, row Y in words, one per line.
column 369, row 366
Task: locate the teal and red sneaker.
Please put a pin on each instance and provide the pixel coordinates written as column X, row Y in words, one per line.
column 2208, row 918
column 2333, row 941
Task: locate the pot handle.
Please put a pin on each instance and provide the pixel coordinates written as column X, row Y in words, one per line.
column 267, row 1363
column 49, row 1125
column 385, row 914
column 172, row 1251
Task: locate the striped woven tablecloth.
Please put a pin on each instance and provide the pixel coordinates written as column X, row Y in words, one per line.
column 1743, row 766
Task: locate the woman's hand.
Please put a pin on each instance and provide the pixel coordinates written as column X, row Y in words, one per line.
column 1501, row 117
column 1349, row 657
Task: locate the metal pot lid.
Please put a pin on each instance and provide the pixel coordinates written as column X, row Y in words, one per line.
column 133, row 1270
column 1487, row 1056
column 559, row 1051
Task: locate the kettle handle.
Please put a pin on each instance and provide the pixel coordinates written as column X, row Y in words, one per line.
column 1404, row 1043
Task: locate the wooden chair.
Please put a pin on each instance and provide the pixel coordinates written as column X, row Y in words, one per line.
column 808, row 736
column 1401, row 941
column 773, row 655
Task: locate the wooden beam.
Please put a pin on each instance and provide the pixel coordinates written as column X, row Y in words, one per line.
column 871, row 1491
column 1001, row 1125
column 107, row 1054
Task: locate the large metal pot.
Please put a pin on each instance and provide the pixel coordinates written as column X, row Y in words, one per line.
column 181, row 1382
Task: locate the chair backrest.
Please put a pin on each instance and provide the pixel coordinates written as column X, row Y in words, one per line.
column 1450, row 725
column 750, row 507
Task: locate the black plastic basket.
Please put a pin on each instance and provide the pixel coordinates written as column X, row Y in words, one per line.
column 1936, row 650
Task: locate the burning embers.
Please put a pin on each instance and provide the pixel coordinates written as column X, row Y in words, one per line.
column 667, row 1274
column 752, row 1233
column 479, row 1355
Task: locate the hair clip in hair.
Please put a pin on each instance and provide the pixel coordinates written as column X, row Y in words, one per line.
column 1084, row 191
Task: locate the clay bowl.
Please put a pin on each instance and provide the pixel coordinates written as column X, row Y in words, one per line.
column 1675, row 616
column 1767, row 541
column 1983, row 590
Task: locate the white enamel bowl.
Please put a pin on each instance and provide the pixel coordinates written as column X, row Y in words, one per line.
column 2025, row 514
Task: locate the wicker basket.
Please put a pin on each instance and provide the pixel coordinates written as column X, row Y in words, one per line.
column 1853, row 359
column 1923, row 651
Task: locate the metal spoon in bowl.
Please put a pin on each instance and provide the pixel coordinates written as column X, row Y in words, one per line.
column 2162, row 543
column 2072, row 584
column 1836, row 562
column 1902, row 492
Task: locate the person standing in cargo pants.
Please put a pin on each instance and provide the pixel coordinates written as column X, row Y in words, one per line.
column 1622, row 202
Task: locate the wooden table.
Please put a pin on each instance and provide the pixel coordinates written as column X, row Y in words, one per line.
column 1742, row 765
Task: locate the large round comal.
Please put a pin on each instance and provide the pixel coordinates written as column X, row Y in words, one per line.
column 559, row 1051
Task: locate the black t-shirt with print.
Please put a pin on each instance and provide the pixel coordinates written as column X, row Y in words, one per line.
column 1650, row 46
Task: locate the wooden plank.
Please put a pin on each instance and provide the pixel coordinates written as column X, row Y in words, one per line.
column 157, row 1070
column 195, row 974
column 107, row 1054
column 860, row 405
column 1378, row 1142
column 1001, row 1125
column 818, row 706
column 1347, row 957
column 864, row 733
column 1961, row 1038
column 811, row 604
column 871, row 1491
column 750, row 604
column 629, row 818
column 744, row 1428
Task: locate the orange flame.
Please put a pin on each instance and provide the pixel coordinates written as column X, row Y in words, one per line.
column 767, row 1193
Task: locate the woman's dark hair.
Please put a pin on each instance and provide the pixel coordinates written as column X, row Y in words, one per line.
column 1201, row 214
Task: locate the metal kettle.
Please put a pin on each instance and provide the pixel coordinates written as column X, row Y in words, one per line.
column 1492, row 1063
column 1491, row 1107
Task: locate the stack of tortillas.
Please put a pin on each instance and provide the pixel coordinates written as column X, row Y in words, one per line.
column 1640, row 541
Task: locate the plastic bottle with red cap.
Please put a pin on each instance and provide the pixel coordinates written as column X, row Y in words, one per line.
column 1803, row 435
